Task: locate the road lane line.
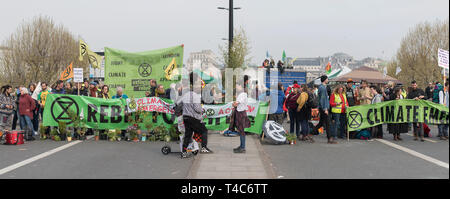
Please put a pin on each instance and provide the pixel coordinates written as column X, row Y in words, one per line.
column 423, row 138
column 40, row 156
column 415, row 153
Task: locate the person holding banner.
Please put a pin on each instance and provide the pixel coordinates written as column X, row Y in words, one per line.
column 443, row 128
column 397, row 129
column 377, row 131
column 239, row 119
column 417, row 94
column 104, row 92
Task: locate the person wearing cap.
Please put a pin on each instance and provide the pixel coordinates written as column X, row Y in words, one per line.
column 292, row 105
column 93, row 89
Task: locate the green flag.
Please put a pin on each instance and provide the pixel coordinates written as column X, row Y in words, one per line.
column 284, row 57
column 133, row 71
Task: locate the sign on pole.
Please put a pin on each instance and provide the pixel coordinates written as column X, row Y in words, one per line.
column 78, row 75
column 443, row 58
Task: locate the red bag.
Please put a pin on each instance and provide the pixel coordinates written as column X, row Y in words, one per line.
column 426, row 130
column 14, row 137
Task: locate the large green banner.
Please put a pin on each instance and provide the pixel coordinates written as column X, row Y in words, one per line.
column 396, row 111
column 132, row 71
column 98, row 113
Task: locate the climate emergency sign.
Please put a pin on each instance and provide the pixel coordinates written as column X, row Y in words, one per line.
column 150, row 104
column 396, row 111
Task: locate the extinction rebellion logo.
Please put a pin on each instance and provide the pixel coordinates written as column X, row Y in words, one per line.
column 145, row 70
column 60, row 109
column 355, row 119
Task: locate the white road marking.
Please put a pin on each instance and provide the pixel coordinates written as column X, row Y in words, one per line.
column 423, row 138
column 40, row 156
column 414, row 153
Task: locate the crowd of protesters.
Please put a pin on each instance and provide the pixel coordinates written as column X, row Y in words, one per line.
column 332, row 104
column 295, row 104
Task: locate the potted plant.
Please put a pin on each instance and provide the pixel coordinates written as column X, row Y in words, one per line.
column 291, row 138
column 62, row 130
column 69, row 135
column 57, row 138
column 53, row 133
column 96, row 134
column 42, row 130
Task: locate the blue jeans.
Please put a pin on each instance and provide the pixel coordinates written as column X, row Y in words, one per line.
column 25, row 122
column 338, row 124
column 242, row 141
column 295, row 122
column 305, row 127
column 443, row 130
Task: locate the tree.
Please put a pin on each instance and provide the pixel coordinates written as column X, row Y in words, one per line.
column 417, row 55
column 235, row 57
column 38, row 51
column 240, row 50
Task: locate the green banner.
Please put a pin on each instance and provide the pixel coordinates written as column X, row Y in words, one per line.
column 132, row 71
column 396, row 111
column 98, row 113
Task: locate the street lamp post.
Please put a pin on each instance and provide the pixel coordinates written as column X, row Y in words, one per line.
column 230, row 26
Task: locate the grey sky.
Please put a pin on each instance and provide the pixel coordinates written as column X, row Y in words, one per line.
column 359, row 28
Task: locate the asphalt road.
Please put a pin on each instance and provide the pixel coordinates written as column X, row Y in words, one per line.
column 359, row 159
column 94, row 160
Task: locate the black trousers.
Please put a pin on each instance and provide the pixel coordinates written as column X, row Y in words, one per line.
column 192, row 125
column 324, row 121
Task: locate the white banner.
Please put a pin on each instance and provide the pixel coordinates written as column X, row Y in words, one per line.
column 215, row 111
column 443, row 58
column 155, row 104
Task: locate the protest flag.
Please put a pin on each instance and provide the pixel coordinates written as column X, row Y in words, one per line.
column 67, row 73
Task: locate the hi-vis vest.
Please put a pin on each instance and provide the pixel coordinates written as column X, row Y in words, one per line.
column 337, row 99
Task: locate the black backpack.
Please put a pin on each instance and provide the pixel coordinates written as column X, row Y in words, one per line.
column 313, row 101
column 178, row 109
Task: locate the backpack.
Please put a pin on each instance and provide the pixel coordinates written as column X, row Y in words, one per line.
column 312, row 101
column 178, row 109
column 291, row 103
column 363, row 134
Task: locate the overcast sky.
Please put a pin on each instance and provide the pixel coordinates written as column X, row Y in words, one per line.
column 360, row 28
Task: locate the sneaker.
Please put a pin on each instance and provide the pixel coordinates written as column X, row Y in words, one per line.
column 205, row 150
column 370, row 140
column 239, row 150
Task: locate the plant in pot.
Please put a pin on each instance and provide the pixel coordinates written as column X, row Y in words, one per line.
column 69, row 135
column 149, row 127
column 42, row 130
column 162, row 133
column 112, row 136
column 96, row 134
column 53, row 133
column 62, row 130
column 118, row 134
column 291, row 138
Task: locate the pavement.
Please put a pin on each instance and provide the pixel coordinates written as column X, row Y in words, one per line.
column 223, row 163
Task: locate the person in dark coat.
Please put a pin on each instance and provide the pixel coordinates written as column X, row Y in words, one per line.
column 397, row 129
column 417, row 94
